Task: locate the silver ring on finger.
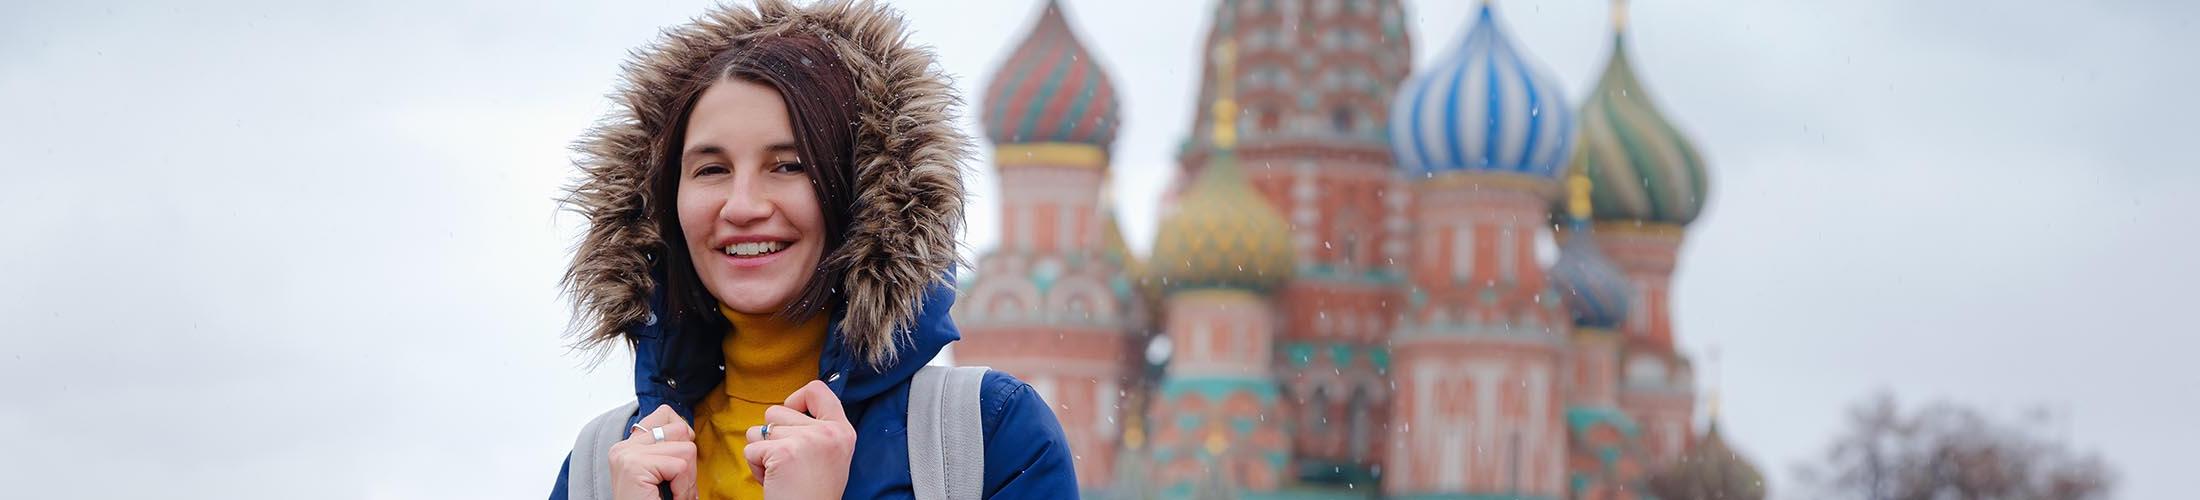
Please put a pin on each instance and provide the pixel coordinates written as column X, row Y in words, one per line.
column 656, row 434
column 767, row 432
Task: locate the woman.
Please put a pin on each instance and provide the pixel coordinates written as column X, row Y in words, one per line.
column 772, row 216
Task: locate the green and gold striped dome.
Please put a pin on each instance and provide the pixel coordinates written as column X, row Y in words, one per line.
column 1222, row 235
column 1644, row 170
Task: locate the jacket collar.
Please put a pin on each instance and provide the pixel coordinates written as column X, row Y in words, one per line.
column 660, row 380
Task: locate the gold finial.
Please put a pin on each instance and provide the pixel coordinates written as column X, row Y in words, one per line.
column 1226, row 111
column 1134, row 431
column 1577, row 196
column 1619, row 15
column 1712, row 399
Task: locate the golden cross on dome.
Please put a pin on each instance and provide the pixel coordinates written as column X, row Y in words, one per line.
column 1226, row 110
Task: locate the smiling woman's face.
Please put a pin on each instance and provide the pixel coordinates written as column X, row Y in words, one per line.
column 752, row 221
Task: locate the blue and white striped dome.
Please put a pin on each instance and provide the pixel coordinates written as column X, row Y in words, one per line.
column 1485, row 108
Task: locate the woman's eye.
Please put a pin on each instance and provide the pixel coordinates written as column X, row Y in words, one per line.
column 711, row 169
column 789, row 168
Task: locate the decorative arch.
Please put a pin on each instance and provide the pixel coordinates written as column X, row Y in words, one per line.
column 1006, row 299
column 1077, row 294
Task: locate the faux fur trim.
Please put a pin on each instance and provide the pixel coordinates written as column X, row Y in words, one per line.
column 909, row 159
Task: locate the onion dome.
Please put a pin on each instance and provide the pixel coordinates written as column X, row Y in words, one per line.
column 1485, row 108
column 1595, row 291
column 1644, row 169
column 1051, row 90
column 1223, row 234
column 1709, row 470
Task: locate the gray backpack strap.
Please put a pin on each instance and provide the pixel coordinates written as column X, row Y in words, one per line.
column 589, row 468
column 946, row 433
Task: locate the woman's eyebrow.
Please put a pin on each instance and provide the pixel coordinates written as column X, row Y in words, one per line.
column 784, row 147
column 704, row 149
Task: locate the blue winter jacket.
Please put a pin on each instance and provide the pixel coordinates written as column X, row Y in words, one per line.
column 1025, row 453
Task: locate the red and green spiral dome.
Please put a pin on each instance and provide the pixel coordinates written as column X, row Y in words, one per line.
column 1051, row 90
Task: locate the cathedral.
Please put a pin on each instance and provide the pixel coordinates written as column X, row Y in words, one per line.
column 1368, row 280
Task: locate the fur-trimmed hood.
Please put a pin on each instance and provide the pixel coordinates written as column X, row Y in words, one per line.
column 897, row 255
column 908, row 204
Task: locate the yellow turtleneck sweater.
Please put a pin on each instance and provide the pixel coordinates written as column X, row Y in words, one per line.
column 766, row 360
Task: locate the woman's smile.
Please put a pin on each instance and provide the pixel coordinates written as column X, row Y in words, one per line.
column 748, row 252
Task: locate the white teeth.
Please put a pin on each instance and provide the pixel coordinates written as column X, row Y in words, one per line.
column 754, row 248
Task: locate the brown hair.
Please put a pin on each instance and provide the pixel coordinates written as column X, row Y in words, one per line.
column 820, row 94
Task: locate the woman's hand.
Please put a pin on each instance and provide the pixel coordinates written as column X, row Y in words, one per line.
column 806, row 456
column 641, row 462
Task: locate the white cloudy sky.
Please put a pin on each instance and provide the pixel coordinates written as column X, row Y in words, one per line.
column 273, row 249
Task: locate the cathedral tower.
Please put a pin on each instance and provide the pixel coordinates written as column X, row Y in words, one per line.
column 1648, row 185
column 1053, row 304
column 1479, row 356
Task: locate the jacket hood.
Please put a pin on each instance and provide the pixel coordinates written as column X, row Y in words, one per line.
column 908, row 203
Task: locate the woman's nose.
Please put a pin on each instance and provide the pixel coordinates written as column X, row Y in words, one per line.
column 746, row 202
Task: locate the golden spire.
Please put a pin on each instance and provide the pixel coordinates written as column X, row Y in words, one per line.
column 1619, row 15
column 1226, row 110
column 1577, row 195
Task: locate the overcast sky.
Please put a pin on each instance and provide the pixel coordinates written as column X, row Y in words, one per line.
column 288, row 249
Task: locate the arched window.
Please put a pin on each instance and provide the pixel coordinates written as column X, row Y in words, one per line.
column 1316, row 413
column 1508, row 243
column 1079, row 309
column 1462, row 252
column 1362, row 426
column 1343, row 120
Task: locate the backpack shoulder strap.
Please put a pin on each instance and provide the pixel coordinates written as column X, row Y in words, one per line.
column 946, row 433
column 590, row 463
